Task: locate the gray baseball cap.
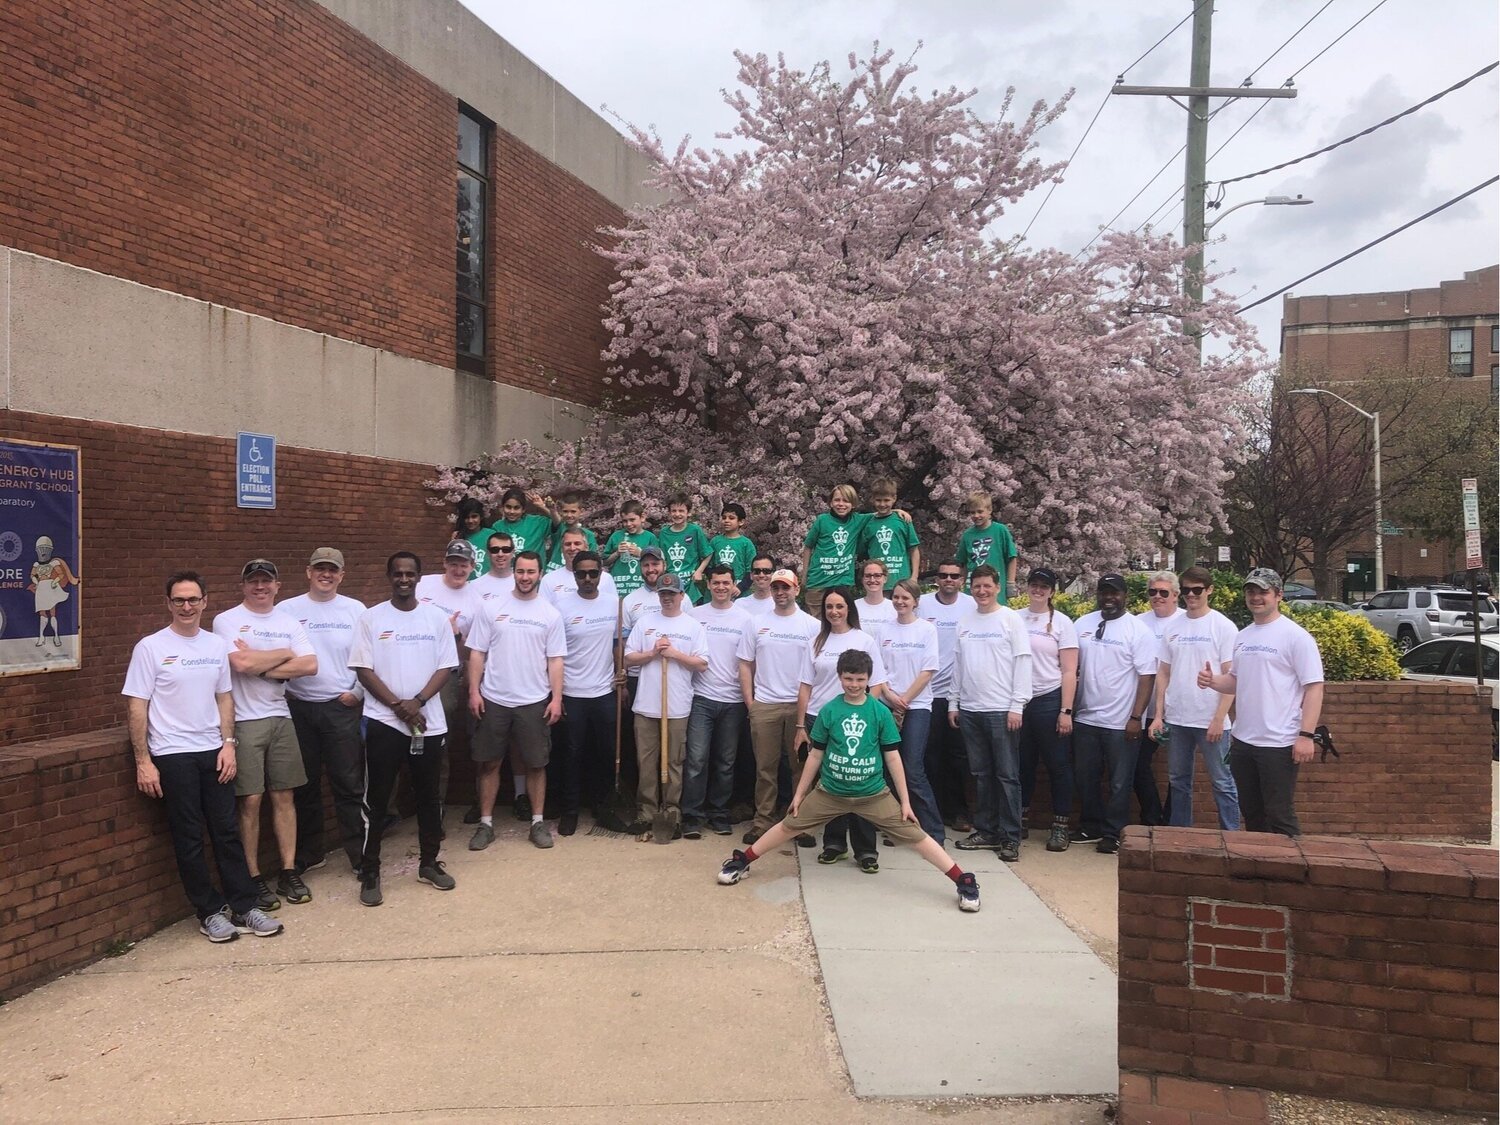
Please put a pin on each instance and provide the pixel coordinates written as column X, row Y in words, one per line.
column 1264, row 577
column 462, row 549
column 652, row 553
column 259, row 566
column 669, row 583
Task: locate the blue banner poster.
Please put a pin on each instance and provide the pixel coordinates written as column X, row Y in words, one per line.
column 41, row 569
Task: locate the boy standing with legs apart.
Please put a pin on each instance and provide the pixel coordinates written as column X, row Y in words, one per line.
column 622, row 553
column 843, row 775
column 684, row 545
column 987, row 543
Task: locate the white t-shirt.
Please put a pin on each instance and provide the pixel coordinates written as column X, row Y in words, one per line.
column 1187, row 644
column 490, row 586
column 876, row 619
column 689, row 636
column 1109, row 668
column 330, row 628
column 944, row 618
column 180, row 678
column 991, row 662
column 558, row 582
column 1273, row 664
column 639, row 603
column 255, row 697
column 433, row 590
column 1046, row 661
column 725, row 629
column 404, row 647
column 907, row 651
column 1158, row 626
column 820, row 671
column 589, row 625
column 779, row 645
column 756, row 607
column 518, row 637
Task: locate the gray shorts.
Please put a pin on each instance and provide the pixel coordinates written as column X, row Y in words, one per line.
column 521, row 731
column 267, row 756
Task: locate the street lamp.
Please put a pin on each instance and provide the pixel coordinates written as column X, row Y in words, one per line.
column 1269, row 201
column 1379, row 522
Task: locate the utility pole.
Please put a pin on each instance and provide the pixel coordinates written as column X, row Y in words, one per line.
column 1195, row 172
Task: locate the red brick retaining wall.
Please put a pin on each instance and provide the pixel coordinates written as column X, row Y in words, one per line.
column 1348, row 969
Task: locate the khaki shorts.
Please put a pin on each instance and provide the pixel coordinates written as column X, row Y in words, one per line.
column 523, row 731
column 882, row 810
column 267, row 756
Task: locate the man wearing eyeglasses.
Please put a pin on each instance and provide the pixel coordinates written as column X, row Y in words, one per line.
column 1161, row 593
column 591, row 622
column 947, row 758
column 1116, row 672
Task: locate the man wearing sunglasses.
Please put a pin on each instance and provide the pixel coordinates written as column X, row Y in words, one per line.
column 498, row 580
column 1116, row 671
column 591, row 620
column 1161, row 595
column 758, row 601
column 947, row 758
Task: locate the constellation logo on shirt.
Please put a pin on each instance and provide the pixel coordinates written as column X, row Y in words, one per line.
column 244, row 628
column 169, row 660
column 388, row 634
column 576, row 620
column 1271, row 649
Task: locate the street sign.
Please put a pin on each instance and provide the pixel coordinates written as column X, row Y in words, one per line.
column 1223, row 554
column 1473, row 548
column 255, row 471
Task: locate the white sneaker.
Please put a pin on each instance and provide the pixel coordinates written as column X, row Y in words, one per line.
column 218, row 927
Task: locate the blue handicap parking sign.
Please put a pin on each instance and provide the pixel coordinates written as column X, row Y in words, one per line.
column 255, row 471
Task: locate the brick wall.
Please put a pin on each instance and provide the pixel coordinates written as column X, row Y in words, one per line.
column 155, row 502
column 1416, row 764
column 1385, row 991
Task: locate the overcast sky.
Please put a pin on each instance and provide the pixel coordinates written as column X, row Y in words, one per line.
column 663, row 63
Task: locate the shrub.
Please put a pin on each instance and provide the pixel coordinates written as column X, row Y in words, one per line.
column 1352, row 648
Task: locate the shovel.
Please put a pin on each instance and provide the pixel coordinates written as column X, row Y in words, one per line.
column 662, row 828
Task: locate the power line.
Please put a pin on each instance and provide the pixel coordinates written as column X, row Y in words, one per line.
column 1362, row 132
column 1163, row 39
column 1285, row 43
column 1375, row 242
column 1380, row 4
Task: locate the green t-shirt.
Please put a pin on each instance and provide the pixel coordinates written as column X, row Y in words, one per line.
column 991, row 545
column 529, row 533
column 480, row 539
column 737, row 553
column 684, row 549
column 554, row 553
column 627, row 568
column 851, row 738
column 889, row 539
column 832, row 543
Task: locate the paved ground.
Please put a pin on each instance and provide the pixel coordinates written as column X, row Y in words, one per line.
column 603, row 981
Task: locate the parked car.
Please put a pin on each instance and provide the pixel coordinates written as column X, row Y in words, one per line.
column 1410, row 617
column 1298, row 592
column 1452, row 660
column 1324, row 603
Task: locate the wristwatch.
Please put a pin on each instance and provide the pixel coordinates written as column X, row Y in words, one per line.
column 420, row 700
column 1306, row 734
column 1067, row 710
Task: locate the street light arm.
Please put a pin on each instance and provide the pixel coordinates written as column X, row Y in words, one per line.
column 1330, row 394
column 1374, row 418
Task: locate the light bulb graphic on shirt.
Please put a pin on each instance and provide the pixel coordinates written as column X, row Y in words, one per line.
column 854, row 729
column 883, row 536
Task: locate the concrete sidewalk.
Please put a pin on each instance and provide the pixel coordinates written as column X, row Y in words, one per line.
column 603, row 980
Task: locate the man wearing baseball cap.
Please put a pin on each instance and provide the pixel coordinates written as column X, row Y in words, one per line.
column 267, row 647
column 325, row 713
column 774, row 653
column 651, row 563
column 1116, row 672
column 1277, row 682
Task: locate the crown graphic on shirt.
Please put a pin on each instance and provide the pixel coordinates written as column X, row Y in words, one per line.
column 883, row 536
column 853, row 728
column 726, row 555
column 840, row 536
column 677, row 552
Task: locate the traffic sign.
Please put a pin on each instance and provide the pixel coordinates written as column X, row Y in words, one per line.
column 1473, row 548
column 255, row 471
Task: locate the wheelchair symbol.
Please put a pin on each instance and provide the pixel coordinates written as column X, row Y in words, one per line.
column 255, row 451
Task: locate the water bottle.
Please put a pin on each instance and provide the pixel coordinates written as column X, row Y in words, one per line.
column 418, row 742
column 1166, row 733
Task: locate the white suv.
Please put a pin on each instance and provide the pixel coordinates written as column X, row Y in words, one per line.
column 1410, row 617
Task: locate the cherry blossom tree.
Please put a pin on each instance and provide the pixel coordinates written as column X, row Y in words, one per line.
column 824, row 298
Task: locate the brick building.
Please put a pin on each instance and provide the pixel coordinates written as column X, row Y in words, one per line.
column 1446, row 333
column 241, row 216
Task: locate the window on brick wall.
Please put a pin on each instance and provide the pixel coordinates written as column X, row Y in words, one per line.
column 1495, row 339
column 1461, row 351
column 473, row 199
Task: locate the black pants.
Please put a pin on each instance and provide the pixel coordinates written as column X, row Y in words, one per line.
column 1266, row 778
column 841, row 829
column 1144, row 783
column 586, row 766
column 387, row 750
column 196, row 799
column 947, row 764
column 328, row 733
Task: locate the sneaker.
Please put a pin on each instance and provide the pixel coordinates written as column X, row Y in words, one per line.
column 869, row 864
column 968, row 893
column 805, row 840
column 692, row 831
column 1085, row 836
column 436, row 875
column 978, row 842
column 1009, row 850
column 369, row 890
column 719, row 828
column 521, row 806
column 483, row 837
column 291, row 887
column 540, row 835
column 751, row 836
column 1059, row 839
column 257, row 922
column 264, row 899
column 735, row 868
column 1107, row 846
column 217, row 927
column 887, row 842
column 471, row 815
column 567, row 824
column 304, row 868
column 833, row 855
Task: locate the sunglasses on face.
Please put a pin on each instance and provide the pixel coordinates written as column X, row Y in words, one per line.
column 949, row 577
column 1159, row 593
column 501, row 550
column 587, row 574
column 761, row 570
column 1193, row 591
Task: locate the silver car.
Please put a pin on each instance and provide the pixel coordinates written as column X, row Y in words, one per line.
column 1410, row 617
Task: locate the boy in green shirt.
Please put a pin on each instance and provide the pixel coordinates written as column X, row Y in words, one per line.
column 849, row 738
column 730, row 547
column 888, row 537
column 622, row 554
column 684, row 545
column 987, row 544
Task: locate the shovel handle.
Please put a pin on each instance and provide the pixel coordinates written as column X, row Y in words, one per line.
column 664, row 724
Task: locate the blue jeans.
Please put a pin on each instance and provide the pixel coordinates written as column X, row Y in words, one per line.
column 1182, row 745
column 914, row 730
column 995, row 762
column 1096, row 749
column 1041, row 742
column 713, row 743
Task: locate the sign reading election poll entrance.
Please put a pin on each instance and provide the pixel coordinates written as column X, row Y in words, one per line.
column 255, row 471
column 41, row 581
